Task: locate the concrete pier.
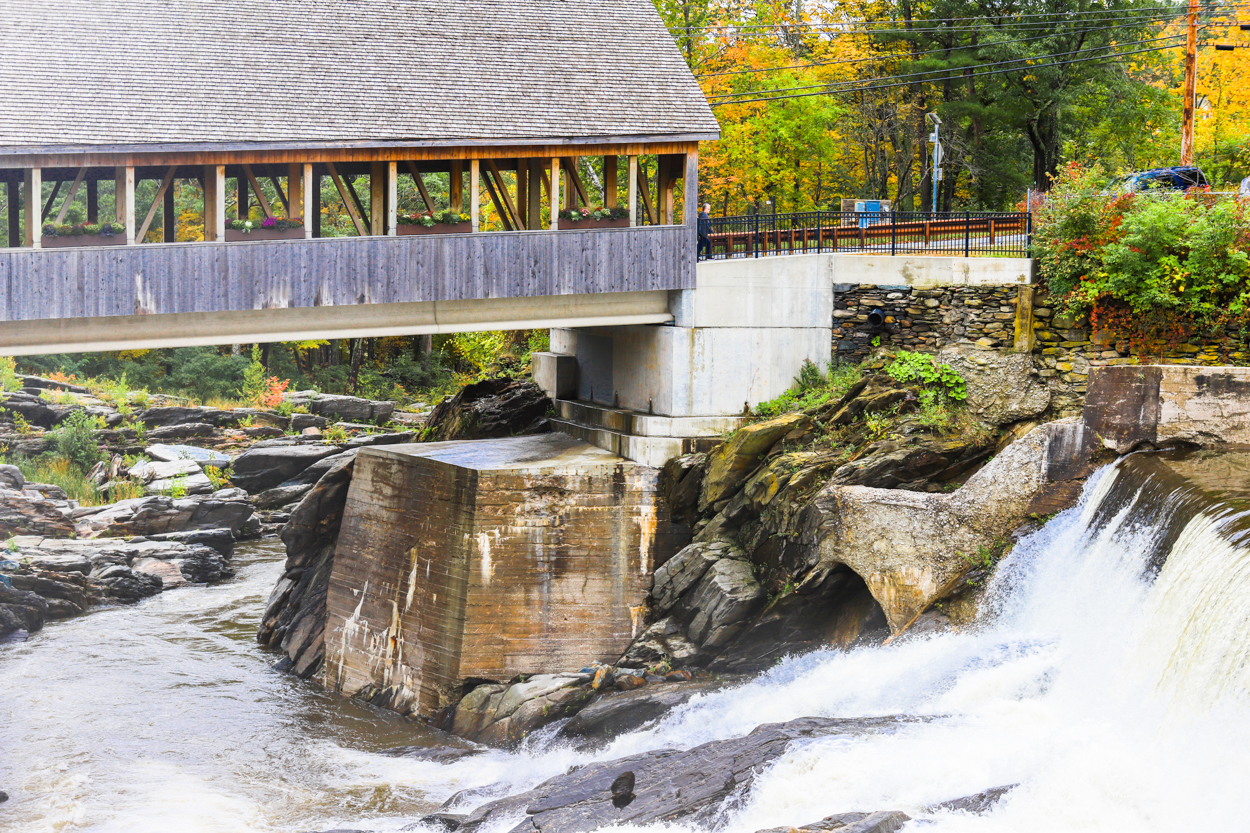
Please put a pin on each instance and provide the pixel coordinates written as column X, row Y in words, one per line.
column 486, row 560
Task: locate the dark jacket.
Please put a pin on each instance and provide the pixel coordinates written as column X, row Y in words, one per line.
column 705, row 224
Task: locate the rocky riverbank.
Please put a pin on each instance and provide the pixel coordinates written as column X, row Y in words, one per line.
column 205, row 478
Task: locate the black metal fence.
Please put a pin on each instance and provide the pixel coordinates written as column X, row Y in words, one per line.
column 962, row 233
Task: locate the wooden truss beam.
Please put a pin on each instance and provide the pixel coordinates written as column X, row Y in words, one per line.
column 157, row 202
column 513, row 218
column 351, row 202
column 69, row 198
column 260, row 195
column 277, row 186
column 420, row 183
column 47, row 208
column 570, row 169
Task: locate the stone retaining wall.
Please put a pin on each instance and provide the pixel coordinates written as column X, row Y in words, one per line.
column 1064, row 349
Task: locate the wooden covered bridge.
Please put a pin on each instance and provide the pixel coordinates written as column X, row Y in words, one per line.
column 494, row 164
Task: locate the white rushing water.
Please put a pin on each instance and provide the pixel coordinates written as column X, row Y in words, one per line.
column 1115, row 700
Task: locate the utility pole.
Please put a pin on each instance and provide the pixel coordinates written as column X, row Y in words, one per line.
column 936, row 167
column 1191, row 85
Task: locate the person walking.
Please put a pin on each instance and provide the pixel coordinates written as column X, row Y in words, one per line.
column 705, row 233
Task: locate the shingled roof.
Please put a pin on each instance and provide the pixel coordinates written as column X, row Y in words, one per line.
column 213, row 74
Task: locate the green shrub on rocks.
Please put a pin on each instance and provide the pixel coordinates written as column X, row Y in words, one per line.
column 811, row 389
column 75, row 440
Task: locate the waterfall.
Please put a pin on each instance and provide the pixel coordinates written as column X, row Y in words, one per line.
column 1108, row 680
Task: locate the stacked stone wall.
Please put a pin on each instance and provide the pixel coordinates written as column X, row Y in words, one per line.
column 1064, row 349
column 921, row 319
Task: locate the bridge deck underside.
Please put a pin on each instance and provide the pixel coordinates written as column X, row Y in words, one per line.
column 110, row 298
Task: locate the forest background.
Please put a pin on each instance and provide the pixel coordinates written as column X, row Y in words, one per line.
column 818, row 101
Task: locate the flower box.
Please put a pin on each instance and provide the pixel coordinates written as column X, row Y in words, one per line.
column 83, row 240
column 438, row 228
column 236, row 235
column 620, row 222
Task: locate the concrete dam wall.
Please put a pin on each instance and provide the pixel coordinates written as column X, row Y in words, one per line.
column 485, row 560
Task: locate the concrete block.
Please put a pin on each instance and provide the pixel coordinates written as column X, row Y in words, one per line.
column 794, row 291
column 556, row 374
column 488, row 559
column 694, row 371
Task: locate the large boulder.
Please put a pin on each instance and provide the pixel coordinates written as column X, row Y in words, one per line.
column 729, row 464
column 490, row 409
column 618, row 712
column 158, row 514
column 295, row 615
column 33, row 409
column 685, row 569
column 30, row 513
column 344, row 408
column 502, row 715
column 301, row 484
column 11, row 477
column 261, row 468
column 667, row 785
column 170, row 416
column 910, row 547
column 1002, row 387
column 723, row 600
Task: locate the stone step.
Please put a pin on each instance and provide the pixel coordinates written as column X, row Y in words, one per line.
column 637, row 424
column 647, row 451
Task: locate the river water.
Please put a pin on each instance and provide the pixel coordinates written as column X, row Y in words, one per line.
column 1110, row 683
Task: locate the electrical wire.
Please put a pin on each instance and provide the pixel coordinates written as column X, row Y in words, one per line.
column 900, row 55
column 1162, row 12
column 962, row 70
column 960, row 77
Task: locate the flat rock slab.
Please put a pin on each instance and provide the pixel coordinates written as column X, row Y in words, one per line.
column 624, row 711
column 205, row 457
column 669, row 784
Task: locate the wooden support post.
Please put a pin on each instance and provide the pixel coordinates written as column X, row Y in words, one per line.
column 314, row 198
column 535, row 209
column 455, row 187
column 169, row 216
column 15, row 214
column 215, row 203
column 377, row 197
column 609, row 182
column 475, row 198
column 665, row 180
column 570, row 190
column 260, row 194
column 309, row 198
column 573, row 180
column 392, row 199
column 243, row 206
column 690, row 202
column 555, row 193
column 522, row 193
column 69, row 198
column 93, row 201
column 32, row 200
column 295, row 193
column 124, row 200
column 157, row 201
column 634, row 173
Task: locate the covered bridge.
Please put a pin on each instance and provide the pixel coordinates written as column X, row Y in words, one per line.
column 463, row 144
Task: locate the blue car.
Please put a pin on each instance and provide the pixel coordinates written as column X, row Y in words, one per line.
column 1179, row 178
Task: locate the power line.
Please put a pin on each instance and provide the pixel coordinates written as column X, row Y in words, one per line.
column 1163, row 11
column 841, row 30
column 961, row 70
column 875, row 87
column 902, row 55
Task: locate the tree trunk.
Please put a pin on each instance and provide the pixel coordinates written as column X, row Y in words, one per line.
column 358, row 355
column 1043, row 132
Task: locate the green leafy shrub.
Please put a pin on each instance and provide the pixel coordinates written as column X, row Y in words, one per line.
column 923, row 369
column 8, row 375
column 811, row 389
column 59, row 471
column 75, row 440
column 1157, row 266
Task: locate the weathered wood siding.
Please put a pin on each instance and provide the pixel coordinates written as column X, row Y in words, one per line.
column 487, row 560
column 156, row 279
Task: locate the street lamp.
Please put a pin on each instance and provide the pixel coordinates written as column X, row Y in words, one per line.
column 937, row 157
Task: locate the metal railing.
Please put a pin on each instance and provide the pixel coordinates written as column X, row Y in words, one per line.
column 961, row 233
